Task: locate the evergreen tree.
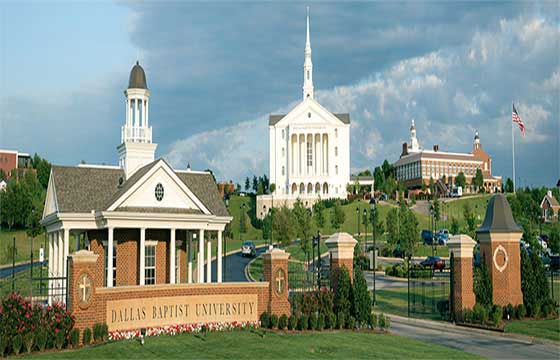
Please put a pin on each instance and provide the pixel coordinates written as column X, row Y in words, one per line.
column 304, row 225
column 541, row 284
column 527, row 280
column 470, row 219
column 338, row 216
column 255, row 184
column 482, row 286
column 555, row 239
column 478, row 179
column 392, row 226
column 408, row 230
column 247, row 184
column 454, row 228
column 461, row 180
column 342, row 286
column 319, row 213
column 361, row 300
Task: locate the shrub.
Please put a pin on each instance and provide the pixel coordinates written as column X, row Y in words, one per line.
column 265, row 321
column 75, row 337
column 381, row 320
column 28, row 340
column 16, row 344
column 361, row 300
column 372, row 321
column 479, row 313
column 3, row 344
column 312, row 321
column 342, row 291
column 351, row 324
column 41, row 340
column 283, row 322
column 443, row 308
column 302, row 322
column 98, row 333
column 387, row 322
column 330, row 320
column 340, row 320
column 320, row 322
column 546, row 309
column 273, row 323
column 467, row 315
column 509, row 312
column 59, row 339
column 521, row 311
column 482, row 286
column 292, row 323
column 104, row 332
column 497, row 314
column 86, row 336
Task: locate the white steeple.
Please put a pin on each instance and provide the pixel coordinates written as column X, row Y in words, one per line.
column 136, row 148
column 413, row 146
column 307, row 66
column 476, row 140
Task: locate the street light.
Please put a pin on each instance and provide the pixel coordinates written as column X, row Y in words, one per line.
column 358, row 218
column 373, row 221
column 263, row 216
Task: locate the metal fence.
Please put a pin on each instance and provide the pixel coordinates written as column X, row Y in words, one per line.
column 429, row 293
column 554, row 276
column 302, row 278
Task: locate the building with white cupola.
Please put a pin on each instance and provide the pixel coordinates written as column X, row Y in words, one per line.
column 146, row 222
column 309, row 150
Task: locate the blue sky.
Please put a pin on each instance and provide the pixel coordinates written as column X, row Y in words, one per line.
column 216, row 70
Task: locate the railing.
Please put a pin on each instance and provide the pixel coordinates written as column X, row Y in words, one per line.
column 136, row 134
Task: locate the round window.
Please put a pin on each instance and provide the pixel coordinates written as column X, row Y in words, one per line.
column 159, row 192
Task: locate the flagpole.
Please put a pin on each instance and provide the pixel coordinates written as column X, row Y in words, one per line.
column 513, row 154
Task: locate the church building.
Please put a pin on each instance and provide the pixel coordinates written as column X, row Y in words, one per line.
column 309, row 150
column 144, row 219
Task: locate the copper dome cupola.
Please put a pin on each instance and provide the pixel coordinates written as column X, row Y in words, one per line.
column 137, row 78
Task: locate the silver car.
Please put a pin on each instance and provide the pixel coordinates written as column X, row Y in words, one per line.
column 248, row 249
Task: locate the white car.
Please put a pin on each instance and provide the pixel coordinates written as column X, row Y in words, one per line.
column 248, row 249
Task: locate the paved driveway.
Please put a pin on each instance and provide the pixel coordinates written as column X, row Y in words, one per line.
column 235, row 266
column 483, row 343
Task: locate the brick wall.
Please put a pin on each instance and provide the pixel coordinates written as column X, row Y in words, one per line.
column 463, row 294
column 278, row 302
column 127, row 256
column 506, row 284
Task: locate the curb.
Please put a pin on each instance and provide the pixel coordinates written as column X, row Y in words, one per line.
column 248, row 275
column 434, row 325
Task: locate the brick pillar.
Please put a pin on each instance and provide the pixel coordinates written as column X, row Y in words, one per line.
column 341, row 252
column 82, row 283
column 461, row 247
column 275, row 270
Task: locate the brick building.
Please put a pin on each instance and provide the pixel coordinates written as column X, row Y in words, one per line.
column 14, row 162
column 416, row 166
column 143, row 219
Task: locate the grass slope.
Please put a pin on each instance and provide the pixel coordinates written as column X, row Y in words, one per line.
column 246, row 345
column 546, row 329
column 23, row 245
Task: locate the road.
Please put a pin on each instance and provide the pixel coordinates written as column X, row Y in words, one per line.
column 235, row 266
column 483, row 343
column 7, row 272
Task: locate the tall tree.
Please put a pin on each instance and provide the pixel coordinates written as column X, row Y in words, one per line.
column 361, row 300
column 461, row 180
column 283, row 225
column 509, row 185
column 305, row 228
column 470, row 219
column 409, row 234
column 247, row 184
column 319, row 213
column 379, row 178
column 338, row 216
column 478, row 179
column 392, row 226
column 255, row 184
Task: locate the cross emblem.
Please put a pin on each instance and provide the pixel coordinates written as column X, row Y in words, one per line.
column 280, row 281
column 84, row 288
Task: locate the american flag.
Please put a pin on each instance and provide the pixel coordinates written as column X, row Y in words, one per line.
column 516, row 119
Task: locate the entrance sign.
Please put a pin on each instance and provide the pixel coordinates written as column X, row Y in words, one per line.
column 162, row 311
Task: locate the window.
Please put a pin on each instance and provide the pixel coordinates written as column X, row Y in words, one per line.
column 307, row 74
column 283, row 170
column 283, row 133
column 335, row 133
column 336, row 151
column 158, row 192
column 283, row 152
column 336, row 169
column 106, row 249
column 309, row 154
column 150, row 264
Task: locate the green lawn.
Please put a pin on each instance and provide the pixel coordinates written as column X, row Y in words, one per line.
column 23, row 246
column 423, row 303
column 426, row 250
column 546, row 329
column 454, row 209
column 247, row 345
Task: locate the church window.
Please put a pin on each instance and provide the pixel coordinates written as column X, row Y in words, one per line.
column 283, row 170
column 105, row 245
column 336, row 169
column 150, row 264
column 335, row 133
column 283, row 152
column 336, row 151
column 283, row 133
column 158, row 192
column 309, row 154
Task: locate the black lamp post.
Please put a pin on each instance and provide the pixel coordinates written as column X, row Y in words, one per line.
column 264, row 214
column 364, row 218
column 358, row 218
column 374, row 219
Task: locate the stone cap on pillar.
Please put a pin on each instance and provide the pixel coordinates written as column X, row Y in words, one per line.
column 276, row 254
column 84, row 256
column 461, row 246
column 341, row 245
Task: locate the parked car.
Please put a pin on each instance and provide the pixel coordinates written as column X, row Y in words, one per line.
column 433, row 262
column 248, row 249
column 427, row 237
column 442, row 237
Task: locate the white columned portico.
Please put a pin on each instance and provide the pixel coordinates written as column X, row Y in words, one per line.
column 200, row 265
column 60, row 253
column 66, row 241
column 142, row 256
column 172, row 256
column 219, row 258
column 208, row 261
column 50, row 266
column 110, row 257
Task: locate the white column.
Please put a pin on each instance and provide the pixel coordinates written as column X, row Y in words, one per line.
column 143, row 113
column 136, row 114
column 172, row 258
column 147, row 112
column 200, row 266
column 219, row 258
column 110, row 257
column 208, row 261
column 142, row 262
column 296, row 157
column 189, row 254
column 60, row 253
column 50, row 267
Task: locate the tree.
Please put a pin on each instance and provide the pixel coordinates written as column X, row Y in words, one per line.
column 375, row 221
column 361, row 300
column 379, row 178
column 482, row 286
column 247, row 184
column 319, row 213
column 408, row 230
column 436, row 207
column 387, row 168
column 555, row 239
column 432, row 186
column 392, row 226
column 304, row 225
column 509, row 185
column 267, row 226
column 2, row 175
column 338, row 216
column 478, row 179
column 272, row 188
column 454, row 228
column 461, row 180
column 283, row 225
column 470, row 219
column 255, row 184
